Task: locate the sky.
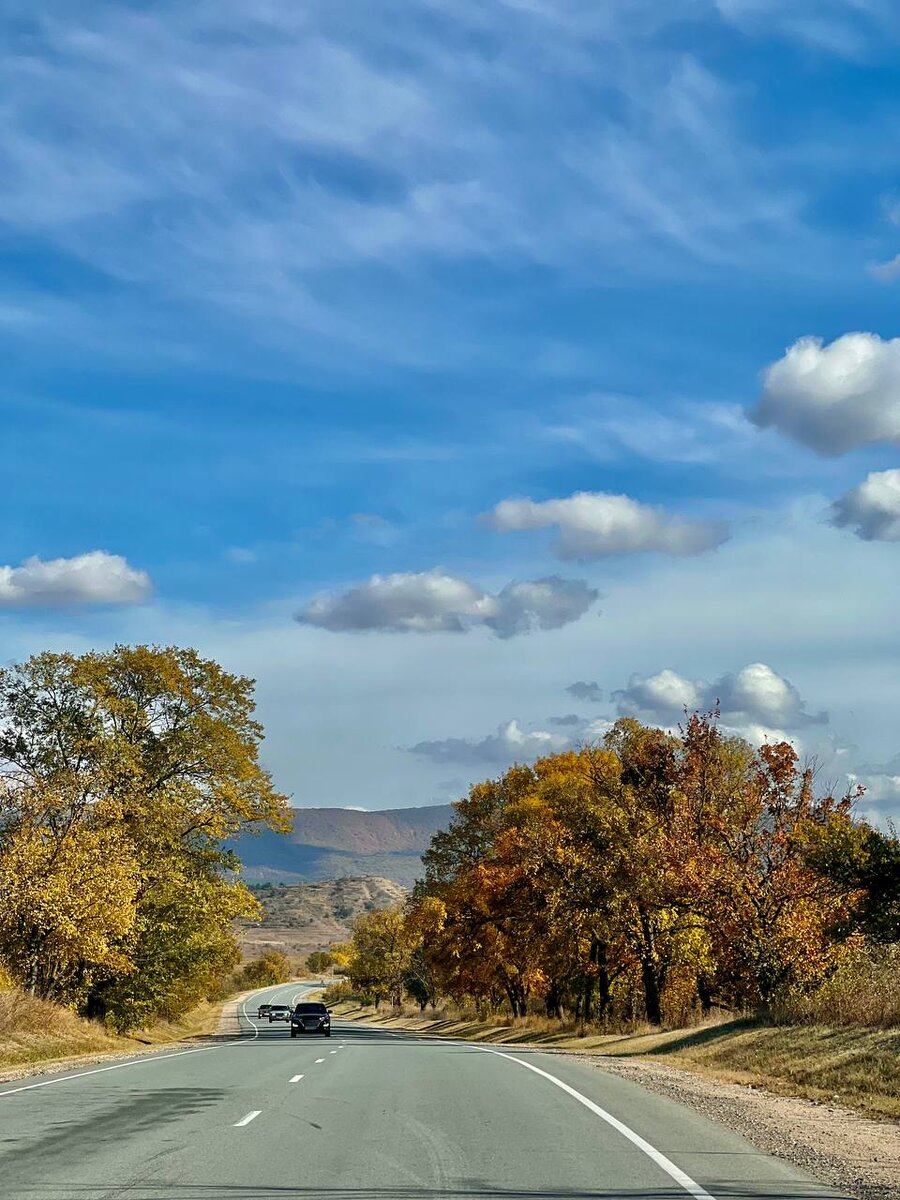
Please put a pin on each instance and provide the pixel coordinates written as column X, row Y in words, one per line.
column 468, row 374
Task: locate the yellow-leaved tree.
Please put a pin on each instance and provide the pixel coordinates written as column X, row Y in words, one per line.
column 135, row 766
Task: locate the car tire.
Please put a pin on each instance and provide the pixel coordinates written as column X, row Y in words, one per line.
column 293, row 1033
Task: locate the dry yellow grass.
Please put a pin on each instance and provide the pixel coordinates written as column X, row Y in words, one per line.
column 35, row 1031
column 859, row 1068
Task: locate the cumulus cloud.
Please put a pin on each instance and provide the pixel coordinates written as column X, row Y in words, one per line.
column 756, row 701
column 92, row 578
column 511, row 743
column 435, row 602
column 596, row 524
column 882, row 790
column 834, row 398
column 583, row 690
column 872, row 509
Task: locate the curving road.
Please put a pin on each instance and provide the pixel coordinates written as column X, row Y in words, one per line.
column 366, row 1115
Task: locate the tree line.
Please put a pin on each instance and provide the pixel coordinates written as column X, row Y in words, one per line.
column 647, row 878
column 122, row 777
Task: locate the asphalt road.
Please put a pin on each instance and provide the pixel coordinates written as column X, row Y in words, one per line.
column 366, row 1115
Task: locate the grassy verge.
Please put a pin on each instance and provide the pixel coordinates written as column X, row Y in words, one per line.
column 34, row 1032
column 859, row 1068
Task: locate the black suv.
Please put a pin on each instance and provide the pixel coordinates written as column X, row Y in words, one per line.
column 311, row 1018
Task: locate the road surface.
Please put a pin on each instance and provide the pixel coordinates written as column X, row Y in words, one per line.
column 366, row 1115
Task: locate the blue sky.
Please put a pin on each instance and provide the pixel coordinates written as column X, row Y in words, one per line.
column 297, row 296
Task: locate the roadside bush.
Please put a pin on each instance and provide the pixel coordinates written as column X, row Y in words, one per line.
column 270, row 968
column 344, row 990
column 863, row 990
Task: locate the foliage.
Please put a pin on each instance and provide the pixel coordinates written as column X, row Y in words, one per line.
column 319, row 962
column 122, row 775
column 270, row 968
column 653, row 877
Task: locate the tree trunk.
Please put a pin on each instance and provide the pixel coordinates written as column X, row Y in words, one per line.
column 704, row 993
column 652, row 992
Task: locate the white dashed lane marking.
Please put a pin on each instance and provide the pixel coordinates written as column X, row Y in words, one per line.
column 318, row 1060
column 295, row 1079
column 251, row 1116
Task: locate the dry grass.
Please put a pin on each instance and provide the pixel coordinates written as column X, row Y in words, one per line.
column 35, row 1031
column 858, row 1067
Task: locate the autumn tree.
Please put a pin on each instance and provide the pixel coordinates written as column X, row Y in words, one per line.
column 380, row 956
column 159, row 748
column 319, row 962
column 271, row 967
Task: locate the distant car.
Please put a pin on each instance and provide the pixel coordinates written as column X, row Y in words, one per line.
column 311, row 1018
column 279, row 1012
column 263, row 1010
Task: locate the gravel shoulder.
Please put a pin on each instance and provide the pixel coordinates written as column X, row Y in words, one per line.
column 833, row 1144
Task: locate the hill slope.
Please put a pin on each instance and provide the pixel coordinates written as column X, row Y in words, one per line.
column 309, row 916
column 336, row 843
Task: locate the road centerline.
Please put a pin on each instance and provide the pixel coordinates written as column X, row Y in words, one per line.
column 295, row 1079
column 251, row 1116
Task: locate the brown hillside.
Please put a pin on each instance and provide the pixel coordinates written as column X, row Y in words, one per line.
column 369, row 832
column 302, row 917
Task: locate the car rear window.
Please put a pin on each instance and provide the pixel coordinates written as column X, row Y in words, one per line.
column 310, row 1008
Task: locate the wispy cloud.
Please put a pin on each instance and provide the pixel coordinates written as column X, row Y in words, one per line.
column 256, row 152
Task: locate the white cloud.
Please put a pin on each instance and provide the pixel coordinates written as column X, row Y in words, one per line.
column 872, row 508
column 93, row 578
column 837, row 397
column 511, row 743
column 882, row 790
column 540, row 603
column 888, row 271
column 256, row 150
column 596, row 524
column 665, row 695
column 757, row 702
column 846, row 28
column 435, row 602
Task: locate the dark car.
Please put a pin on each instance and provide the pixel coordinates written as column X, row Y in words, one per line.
column 279, row 1012
column 311, row 1018
column 263, row 1010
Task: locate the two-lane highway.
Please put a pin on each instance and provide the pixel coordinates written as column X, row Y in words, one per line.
column 366, row 1115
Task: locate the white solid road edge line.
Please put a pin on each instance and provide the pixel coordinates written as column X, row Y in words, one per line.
column 137, row 1062
column 134, row 1062
column 251, row 1116
column 681, row 1178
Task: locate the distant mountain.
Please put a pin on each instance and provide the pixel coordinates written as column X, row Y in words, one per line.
column 302, row 917
column 340, row 843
